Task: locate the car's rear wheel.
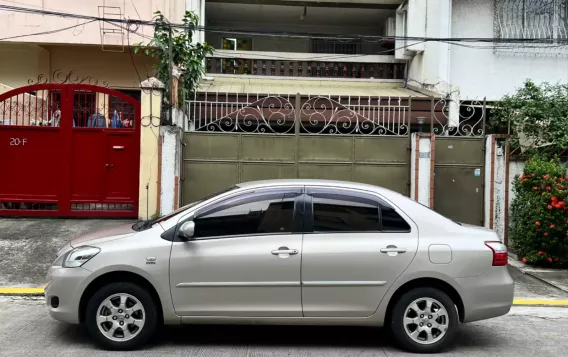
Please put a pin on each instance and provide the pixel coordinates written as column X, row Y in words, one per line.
column 121, row 316
column 424, row 320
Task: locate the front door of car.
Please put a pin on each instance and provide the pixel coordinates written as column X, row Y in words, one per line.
column 244, row 258
column 358, row 247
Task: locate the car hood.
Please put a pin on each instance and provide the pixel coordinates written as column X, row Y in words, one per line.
column 103, row 235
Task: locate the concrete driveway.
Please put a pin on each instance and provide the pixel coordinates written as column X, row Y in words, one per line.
column 28, row 245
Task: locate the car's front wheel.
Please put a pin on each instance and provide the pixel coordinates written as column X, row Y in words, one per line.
column 121, row 316
column 424, row 320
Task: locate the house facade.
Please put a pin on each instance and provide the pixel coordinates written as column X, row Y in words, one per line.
column 90, row 128
column 311, row 89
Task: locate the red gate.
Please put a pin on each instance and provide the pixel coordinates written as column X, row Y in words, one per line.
column 69, row 150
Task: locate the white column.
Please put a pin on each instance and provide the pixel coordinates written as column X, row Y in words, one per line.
column 420, row 165
column 170, row 136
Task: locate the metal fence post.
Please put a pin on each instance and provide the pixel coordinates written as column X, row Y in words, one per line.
column 297, row 119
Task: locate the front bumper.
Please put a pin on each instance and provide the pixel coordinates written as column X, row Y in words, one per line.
column 67, row 285
column 487, row 296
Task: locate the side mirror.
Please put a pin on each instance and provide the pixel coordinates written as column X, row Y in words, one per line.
column 187, row 230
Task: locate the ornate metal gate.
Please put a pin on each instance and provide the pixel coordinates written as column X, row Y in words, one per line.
column 236, row 138
column 69, row 150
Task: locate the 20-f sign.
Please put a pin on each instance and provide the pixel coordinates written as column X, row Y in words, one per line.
column 18, row 141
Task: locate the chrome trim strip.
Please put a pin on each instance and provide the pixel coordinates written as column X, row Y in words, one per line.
column 239, row 284
column 342, row 283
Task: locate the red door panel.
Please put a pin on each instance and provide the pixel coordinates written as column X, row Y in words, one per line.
column 87, row 166
column 121, row 161
column 30, row 160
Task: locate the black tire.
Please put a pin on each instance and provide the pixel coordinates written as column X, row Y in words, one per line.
column 398, row 329
column 150, row 316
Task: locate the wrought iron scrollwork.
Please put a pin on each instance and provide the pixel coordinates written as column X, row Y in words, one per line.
column 60, row 77
column 468, row 119
column 324, row 115
column 271, row 114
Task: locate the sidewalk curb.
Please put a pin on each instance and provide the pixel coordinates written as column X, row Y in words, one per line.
column 9, row 291
column 528, row 271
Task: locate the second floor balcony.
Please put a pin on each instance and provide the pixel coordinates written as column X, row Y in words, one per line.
column 302, row 41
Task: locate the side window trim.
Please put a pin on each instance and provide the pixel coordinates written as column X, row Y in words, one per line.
column 285, row 191
column 311, row 191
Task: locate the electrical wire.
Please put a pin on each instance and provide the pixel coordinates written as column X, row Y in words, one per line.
column 46, row 32
column 214, row 29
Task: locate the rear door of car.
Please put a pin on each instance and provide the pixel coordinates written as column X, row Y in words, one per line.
column 355, row 246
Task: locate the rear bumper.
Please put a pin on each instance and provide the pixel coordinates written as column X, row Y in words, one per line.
column 65, row 284
column 487, row 296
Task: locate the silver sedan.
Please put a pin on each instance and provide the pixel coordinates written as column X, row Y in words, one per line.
column 285, row 252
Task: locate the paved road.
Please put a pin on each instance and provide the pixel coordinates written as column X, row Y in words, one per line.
column 27, row 330
column 28, row 245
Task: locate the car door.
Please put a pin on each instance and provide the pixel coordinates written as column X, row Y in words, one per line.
column 354, row 248
column 244, row 258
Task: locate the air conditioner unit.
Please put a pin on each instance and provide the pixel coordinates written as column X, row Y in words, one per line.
column 390, row 27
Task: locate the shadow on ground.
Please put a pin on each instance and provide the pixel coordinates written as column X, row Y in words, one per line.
column 278, row 337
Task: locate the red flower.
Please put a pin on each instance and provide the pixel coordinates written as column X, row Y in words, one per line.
column 556, row 259
column 540, row 252
column 546, row 234
column 566, row 234
column 543, row 193
column 537, row 223
column 523, row 176
column 560, row 179
column 546, row 176
column 549, row 207
column 566, row 177
column 548, row 188
column 554, row 199
column 535, row 188
column 538, row 229
column 532, row 175
column 552, row 226
column 549, row 260
column 524, row 260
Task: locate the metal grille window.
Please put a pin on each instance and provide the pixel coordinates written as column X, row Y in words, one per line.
column 336, row 47
column 532, row 19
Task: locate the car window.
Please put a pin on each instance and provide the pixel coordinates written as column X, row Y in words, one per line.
column 392, row 221
column 248, row 214
column 341, row 213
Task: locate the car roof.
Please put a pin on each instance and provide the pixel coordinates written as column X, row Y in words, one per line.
column 312, row 182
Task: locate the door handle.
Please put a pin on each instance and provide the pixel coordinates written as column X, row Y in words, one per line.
column 393, row 249
column 285, row 250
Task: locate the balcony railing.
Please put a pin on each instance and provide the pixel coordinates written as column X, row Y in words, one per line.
column 339, row 68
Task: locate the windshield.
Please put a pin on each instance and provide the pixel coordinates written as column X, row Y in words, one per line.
column 143, row 225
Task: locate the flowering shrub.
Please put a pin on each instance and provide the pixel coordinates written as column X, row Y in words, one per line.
column 539, row 216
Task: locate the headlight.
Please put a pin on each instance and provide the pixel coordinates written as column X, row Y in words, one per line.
column 79, row 256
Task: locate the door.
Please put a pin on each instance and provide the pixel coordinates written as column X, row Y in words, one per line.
column 358, row 247
column 119, row 166
column 244, row 259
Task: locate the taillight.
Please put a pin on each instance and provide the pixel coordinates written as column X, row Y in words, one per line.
column 499, row 253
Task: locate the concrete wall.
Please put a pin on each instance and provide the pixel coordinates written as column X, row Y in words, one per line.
column 431, row 68
column 22, row 62
column 150, row 104
column 171, row 137
column 481, row 72
column 15, row 24
column 475, row 72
